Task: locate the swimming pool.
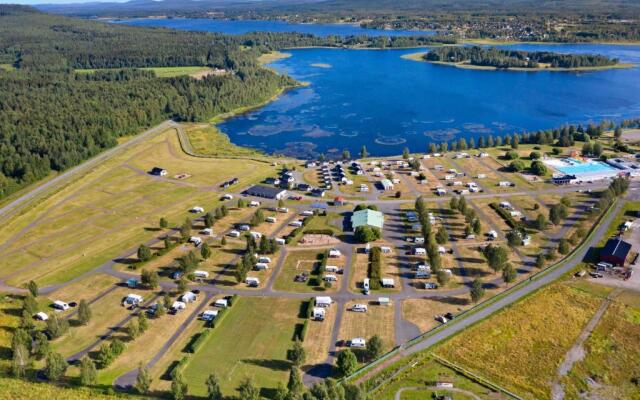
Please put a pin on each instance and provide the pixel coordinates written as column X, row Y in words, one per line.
column 571, row 166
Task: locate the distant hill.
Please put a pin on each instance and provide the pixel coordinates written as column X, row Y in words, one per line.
column 137, row 8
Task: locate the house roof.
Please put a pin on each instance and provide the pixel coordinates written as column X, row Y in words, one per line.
column 616, row 247
column 264, row 191
column 367, row 217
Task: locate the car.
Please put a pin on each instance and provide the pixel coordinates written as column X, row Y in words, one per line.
column 441, row 319
column 449, row 316
column 303, row 277
column 297, row 198
column 596, row 275
column 430, row 285
column 359, row 308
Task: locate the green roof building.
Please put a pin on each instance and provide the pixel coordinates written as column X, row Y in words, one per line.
column 367, row 217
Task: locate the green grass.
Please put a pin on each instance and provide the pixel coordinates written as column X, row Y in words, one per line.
column 207, row 140
column 622, row 216
column 252, row 341
column 17, row 389
column 295, row 263
column 161, row 72
column 7, row 67
column 425, row 373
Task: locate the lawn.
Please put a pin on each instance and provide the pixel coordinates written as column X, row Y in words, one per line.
column 378, row 320
column 307, row 261
column 612, row 353
column 252, row 341
column 84, row 289
column 318, row 338
column 516, row 347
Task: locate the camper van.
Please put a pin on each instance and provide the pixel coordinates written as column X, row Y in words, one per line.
column 366, row 286
column 201, row 274
column 358, row 343
column 359, row 308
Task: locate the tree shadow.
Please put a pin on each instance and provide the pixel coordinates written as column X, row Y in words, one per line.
column 455, row 301
column 277, row 365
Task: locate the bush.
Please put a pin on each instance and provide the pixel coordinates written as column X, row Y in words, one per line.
column 366, row 234
column 177, row 369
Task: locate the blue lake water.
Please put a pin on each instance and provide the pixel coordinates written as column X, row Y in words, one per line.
column 378, row 99
column 240, row 27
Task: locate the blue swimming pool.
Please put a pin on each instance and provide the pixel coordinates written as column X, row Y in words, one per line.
column 577, row 167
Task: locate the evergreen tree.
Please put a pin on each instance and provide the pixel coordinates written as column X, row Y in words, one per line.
column 205, row 251
column 248, row 391
column 33, row 288
column 40, row 346
column 295, row 385
column 509, row 274
column 363, row 152
column 374, row 347
column 297, row 354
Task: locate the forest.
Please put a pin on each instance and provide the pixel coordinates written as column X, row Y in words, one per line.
column 52, row 118
column 500, row 58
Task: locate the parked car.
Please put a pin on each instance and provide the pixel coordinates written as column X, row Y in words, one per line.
column 430, row 285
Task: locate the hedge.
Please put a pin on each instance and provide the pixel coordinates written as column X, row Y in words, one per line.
column 506, row 216
column 303, row 332
column 199, row 340
column 375, row 267
column 179, row 366
column 327, row 232
column 310, row 307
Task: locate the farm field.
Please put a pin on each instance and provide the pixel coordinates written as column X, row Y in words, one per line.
column 246, row 345
column 514, row 334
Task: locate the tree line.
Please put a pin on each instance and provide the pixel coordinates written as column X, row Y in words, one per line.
column 502, row 58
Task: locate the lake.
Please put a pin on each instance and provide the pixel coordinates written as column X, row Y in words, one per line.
column 378, row 99
column 245, row 26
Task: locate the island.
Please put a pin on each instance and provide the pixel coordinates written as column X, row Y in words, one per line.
column 492, row 58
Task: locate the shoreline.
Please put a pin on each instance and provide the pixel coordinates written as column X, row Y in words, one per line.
column 418, row 57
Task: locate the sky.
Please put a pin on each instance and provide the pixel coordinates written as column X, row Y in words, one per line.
column 31, row 2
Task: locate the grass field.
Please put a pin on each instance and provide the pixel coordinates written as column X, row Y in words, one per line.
column 318, row 338
column 209, row 141
column 162, row 72
column 422, row 311
column 612, row 354
column 297, row 262
column 516, row 348
column 425, row 373
column 378, row 320
column 16, row 389
column 145, row 347
column 252, row 341
column 112, row 209
column 106, row 313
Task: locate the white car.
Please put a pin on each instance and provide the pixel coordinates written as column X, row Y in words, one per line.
column 227, row 197
column 359, row 308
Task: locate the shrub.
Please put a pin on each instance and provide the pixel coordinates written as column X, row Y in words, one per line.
column 375, row 267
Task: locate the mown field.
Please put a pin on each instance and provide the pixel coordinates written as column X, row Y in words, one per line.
column 112, row 209
column 251, row 341
column 521, row 347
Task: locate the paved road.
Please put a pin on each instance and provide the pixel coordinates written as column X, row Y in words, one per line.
column 16, row 205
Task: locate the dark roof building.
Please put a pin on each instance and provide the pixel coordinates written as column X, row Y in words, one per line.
column 158, row 171
column 266, row 192
column 615, row 251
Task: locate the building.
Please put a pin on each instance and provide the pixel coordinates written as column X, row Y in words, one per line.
column 386, row 184
column 367, row 217
column 266, row 192
column 615, row 251
column 157, row 171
